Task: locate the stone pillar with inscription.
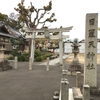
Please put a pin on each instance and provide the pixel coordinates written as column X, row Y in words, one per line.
column 90, row 66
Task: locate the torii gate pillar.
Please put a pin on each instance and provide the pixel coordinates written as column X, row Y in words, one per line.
column 32, row 47
column 60, row 48
column 60, row 37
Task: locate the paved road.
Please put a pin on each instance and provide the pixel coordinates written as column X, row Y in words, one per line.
column 38, row 84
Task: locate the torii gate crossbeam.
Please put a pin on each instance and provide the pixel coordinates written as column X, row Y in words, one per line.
column 60, row 37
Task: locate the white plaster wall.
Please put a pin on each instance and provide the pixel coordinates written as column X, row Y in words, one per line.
column 68, row 48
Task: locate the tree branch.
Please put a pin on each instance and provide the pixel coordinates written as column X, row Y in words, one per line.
column 42, row 15
column 36, row 18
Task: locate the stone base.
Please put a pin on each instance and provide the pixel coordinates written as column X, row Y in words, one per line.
column 95, row 91
column 74, row 73
column 4, row 65
column 75, row 67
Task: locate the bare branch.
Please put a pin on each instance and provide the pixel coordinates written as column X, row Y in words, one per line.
column 37, row 14
column 40, row 9
column 26, row 14
column 42, row 15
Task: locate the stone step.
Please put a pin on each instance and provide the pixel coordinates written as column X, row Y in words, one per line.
column 77, row 95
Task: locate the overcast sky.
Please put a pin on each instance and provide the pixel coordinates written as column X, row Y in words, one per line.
column 68, row 13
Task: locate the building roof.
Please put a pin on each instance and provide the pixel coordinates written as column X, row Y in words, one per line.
column 6, row 35
column 7, row 31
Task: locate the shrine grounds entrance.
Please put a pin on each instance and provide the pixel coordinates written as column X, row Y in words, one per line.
column 38, row 84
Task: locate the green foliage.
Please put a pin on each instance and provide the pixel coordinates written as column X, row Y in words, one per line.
column 3, row 17
column 14, row 53
column 50, row 19
column 14, row 41
column 38, row 59
column 19, row 42
column 15, row 24
column 46, row 54
column 48, row 7
column 37, row 53
column 21, row 58
column 39, row 56
column 11, row 58
column 42, row 57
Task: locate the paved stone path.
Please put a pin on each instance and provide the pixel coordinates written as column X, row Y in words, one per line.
column 38, row 84
column 54, row 61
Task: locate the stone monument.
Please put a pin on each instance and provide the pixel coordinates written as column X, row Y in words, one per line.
column 90, row 64
column 75, row 65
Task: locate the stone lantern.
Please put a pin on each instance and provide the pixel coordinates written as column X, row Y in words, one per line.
column 4, row 48
column 75, row 49
column 75, row 65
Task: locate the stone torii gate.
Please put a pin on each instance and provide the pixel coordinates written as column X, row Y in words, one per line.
column 31, row 34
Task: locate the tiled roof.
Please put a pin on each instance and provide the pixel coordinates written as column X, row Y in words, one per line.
column 8, row 31
column 7, row 35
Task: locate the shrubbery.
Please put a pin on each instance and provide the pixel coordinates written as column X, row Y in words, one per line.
column 11, row 58
column 37, row 53
column 38, row 56
column 21, row 57
column 38, row 59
